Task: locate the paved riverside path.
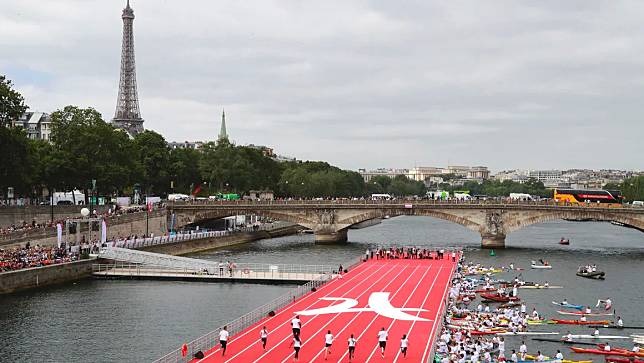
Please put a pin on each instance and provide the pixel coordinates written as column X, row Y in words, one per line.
column 375, row 294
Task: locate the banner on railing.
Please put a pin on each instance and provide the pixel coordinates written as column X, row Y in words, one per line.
column 59, row 234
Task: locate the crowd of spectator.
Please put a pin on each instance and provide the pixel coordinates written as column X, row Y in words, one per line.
column 111, row 212
column 27, row 257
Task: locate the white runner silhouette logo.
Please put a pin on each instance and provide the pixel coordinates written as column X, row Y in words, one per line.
column 378, row 303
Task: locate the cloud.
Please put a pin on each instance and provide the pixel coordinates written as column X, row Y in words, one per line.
column 357, row 83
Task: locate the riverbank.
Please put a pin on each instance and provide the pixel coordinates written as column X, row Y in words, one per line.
column 13, row 281
column 30, row 278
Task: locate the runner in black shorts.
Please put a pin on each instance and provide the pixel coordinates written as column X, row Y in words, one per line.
column 296, row 324
column 263, row 334
column 382, row 341
column 352, row 347
column 296, row 343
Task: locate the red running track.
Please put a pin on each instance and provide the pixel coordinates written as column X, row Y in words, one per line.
column 411, row 284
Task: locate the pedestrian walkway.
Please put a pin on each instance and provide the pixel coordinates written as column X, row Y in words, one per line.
column 250, row 273
column 402, row 296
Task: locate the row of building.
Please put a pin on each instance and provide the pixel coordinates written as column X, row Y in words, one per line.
column 458, row 174
column 431, row 174
column 571, row 178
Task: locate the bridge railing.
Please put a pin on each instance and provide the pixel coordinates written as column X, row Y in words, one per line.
column 211, row 339
column 242, row 270
column 395, row 202
column 134, row 243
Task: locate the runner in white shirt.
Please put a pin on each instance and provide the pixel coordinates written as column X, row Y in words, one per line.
column 352, row 347
column 540, row 357
column 523, row 348
column 223, row 339
column 620, row 322
column 382, row 341
column 296, row 344
column 263, row 334
column 296, row 324
column 404, row 343
column 328, row 341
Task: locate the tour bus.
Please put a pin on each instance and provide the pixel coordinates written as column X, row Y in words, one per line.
column 380, row 197
column 578, row 196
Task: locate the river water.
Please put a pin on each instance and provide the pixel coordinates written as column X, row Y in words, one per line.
column 138, row 321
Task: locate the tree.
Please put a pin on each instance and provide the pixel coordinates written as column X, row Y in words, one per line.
column 153, row 159
column 227, row 167
column 91, row 149
column 184, row 169
column 633, row 188
column 12, row 104
column 14, row 168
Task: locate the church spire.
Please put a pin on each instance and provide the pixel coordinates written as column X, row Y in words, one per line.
column 222, row 132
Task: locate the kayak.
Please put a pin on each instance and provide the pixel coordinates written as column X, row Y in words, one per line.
column 478, row 332
column 499, row 298
column 562, row 341
column 638, row 354
column 600, row 351
column 597, row 275
column 582, row 313
column 540, row 287
column 579, row 322
column 616, row 327
column 571, row 306
column 529, row 333
column 588, row 336
column 486, row 290
column 541, row 266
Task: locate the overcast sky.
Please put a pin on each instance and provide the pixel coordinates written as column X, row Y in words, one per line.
column 361, row 84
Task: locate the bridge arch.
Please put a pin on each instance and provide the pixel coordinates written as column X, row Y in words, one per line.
column 541, row 217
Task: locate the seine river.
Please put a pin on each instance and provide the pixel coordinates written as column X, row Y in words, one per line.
column 138, row 321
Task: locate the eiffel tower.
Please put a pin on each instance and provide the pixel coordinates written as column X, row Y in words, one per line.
column 128, row 116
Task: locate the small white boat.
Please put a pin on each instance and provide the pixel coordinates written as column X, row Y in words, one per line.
column 540, row 266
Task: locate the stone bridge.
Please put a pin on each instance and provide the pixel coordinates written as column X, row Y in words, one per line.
column 330, row 219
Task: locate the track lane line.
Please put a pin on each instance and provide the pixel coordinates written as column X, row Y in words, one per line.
column 315, row 316
column 366, row 329
column 440, row 307
column 366, row 266
column 437, row 311
column 359, row 313
column 404, row 305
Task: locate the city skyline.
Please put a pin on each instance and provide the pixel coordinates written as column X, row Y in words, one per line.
column 357, row 85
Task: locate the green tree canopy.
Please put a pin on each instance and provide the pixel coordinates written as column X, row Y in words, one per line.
column 153, row 161
column 89, row 149
column 12, row 104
